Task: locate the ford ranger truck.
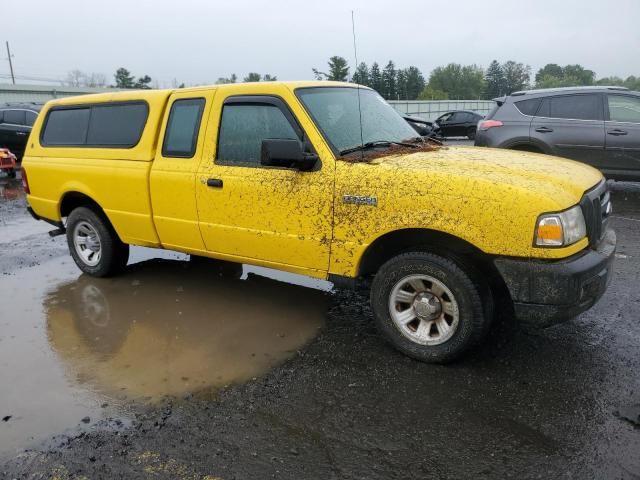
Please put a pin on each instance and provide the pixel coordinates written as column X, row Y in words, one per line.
column 326, row 179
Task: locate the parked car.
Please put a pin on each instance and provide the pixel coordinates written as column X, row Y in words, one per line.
column 423, row 127
column 16, row 120
column 317, row 179
column 599, row 126
column 459, row 123
column 7, row 162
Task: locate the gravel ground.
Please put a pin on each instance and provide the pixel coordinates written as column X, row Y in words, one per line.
column 558, row 403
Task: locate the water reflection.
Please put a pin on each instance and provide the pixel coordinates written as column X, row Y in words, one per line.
column 169, row 327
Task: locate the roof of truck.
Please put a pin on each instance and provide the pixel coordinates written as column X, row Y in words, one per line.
column 152, row 95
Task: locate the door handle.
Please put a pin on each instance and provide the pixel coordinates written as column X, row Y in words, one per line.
column 544, row 130
column 617, row 132
column 214, row 182
column 22, row 134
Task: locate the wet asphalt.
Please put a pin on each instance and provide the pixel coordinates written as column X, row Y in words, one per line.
column 191, row 371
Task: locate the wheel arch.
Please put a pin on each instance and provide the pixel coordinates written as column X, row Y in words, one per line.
column 401, row 241
column 527, row 145
column 73, row 199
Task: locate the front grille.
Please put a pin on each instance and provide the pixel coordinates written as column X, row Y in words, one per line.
column 596, row 208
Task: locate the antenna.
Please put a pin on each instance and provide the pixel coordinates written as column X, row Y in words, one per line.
column 13, row 79
column 355, row 55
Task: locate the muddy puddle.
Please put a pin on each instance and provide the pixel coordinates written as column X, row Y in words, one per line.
column 73, row 347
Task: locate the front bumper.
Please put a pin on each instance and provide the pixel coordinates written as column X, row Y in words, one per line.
column 548, row 292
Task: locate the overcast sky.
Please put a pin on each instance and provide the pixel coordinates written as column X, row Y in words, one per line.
column 197, row 41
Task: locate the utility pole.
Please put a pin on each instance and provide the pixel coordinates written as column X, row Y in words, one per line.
column 13, row 79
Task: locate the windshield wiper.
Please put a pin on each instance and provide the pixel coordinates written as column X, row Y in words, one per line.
column 377, row 143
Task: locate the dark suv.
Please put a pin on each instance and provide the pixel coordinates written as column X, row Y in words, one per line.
column 16, row 120
column 595, row 125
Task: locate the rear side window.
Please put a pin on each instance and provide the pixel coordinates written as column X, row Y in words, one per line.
column 244, row 126
column 15, row 117
column 623, row 108
column 113, row 125
column 66, row 127
column 116, row 125
column 528, row 107
column 181, row 137
column 576, row 107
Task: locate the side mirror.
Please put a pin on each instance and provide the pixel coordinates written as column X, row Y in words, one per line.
column 287, row 153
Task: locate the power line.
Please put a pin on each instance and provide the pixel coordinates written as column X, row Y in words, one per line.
column 33, row 78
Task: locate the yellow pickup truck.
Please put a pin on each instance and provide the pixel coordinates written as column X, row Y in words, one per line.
column 325, row 179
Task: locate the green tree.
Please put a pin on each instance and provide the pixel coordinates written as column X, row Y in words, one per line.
column 549, row 81
column 430, row 94
column 414, row 82
column 584, row 76
column 632, row 82
column 253, row 77
column 401, row 85
column 516, row 76
column 495, row 81
column 457, row 81
column 549, row 70
column 338, row 70
column 375, row 78
column 269, row 78
column 143, row 82
column 361, row 75
column 222, row 80
column 124, row 79
column 389, row 81
column 552, row 75
column 611, row 81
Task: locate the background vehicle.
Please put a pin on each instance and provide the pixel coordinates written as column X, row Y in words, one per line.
column 599, row 126
column 419, row 124
column 317, row 178
column 16, row 121
column 7, row 162
column 459, row 123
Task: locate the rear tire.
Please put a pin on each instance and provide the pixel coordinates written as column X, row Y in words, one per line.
column 428, row 307
column 471, row 133
column 94, row 244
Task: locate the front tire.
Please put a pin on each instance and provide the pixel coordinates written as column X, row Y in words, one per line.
column 428, row 307
column 94, row 244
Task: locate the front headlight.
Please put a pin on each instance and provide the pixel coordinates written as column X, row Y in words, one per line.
column 560, row 229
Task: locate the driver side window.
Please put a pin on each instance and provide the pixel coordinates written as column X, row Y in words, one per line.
column 243, row 127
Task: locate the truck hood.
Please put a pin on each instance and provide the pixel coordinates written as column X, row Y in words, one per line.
column 563, row 181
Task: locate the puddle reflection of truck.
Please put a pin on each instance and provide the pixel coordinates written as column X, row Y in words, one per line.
column 326, row 180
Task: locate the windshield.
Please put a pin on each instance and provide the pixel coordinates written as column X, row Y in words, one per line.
column 335, row 111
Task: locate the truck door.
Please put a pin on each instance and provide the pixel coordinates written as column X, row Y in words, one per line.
column 622, row 137
column 281, row 217
column 173, row 174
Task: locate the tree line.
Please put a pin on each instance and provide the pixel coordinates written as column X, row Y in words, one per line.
column 452, row 81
